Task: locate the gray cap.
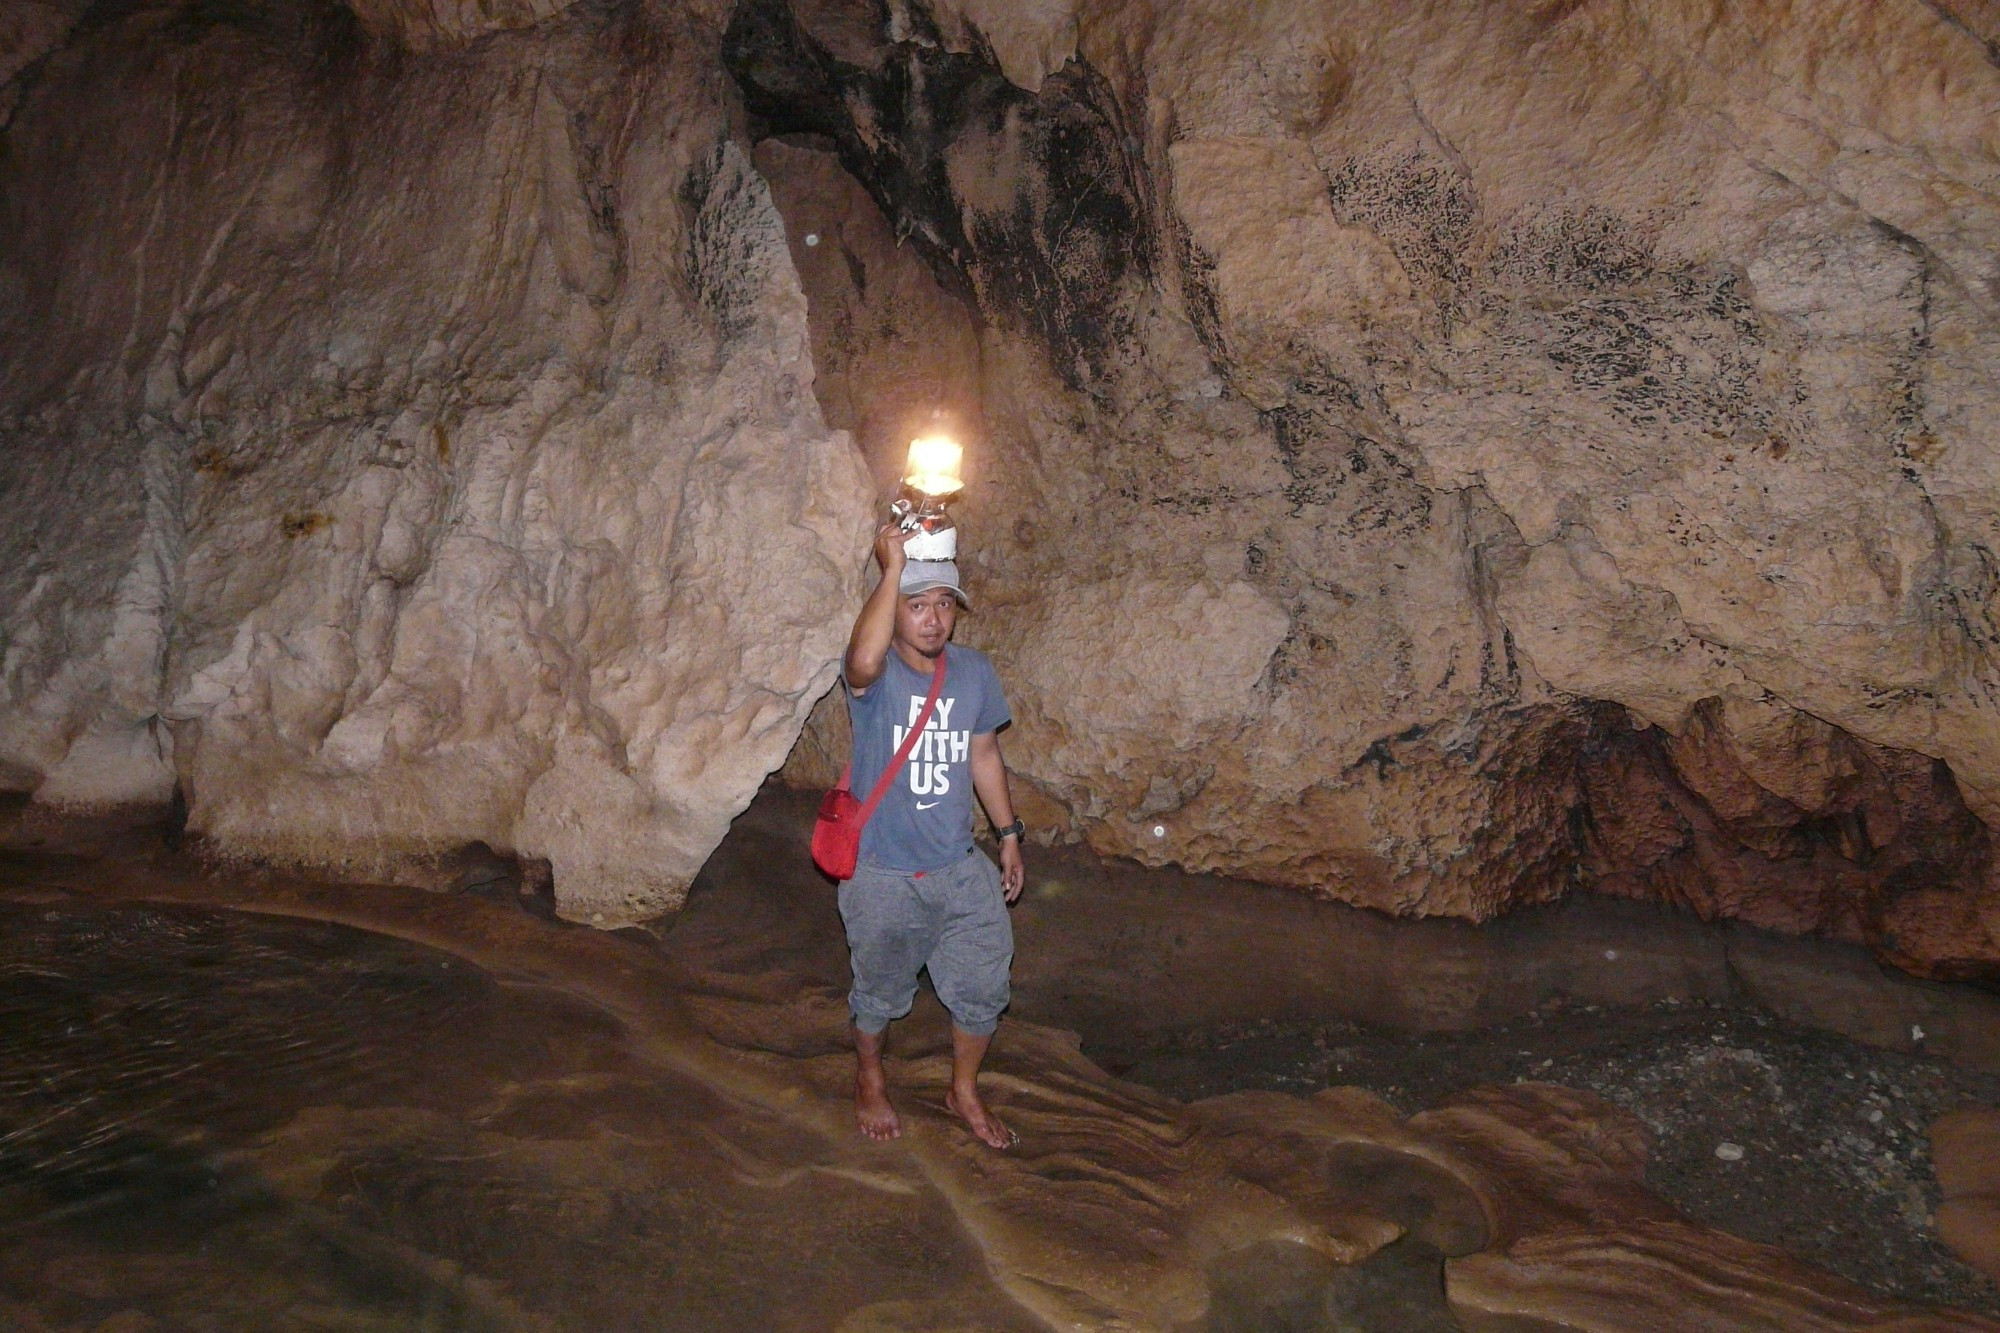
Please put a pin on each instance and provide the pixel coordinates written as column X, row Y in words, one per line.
column 923, row 575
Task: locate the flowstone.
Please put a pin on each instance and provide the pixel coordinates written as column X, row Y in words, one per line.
column 685, row 1114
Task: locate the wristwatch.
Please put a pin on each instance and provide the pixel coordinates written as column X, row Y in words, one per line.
column 1014, row 830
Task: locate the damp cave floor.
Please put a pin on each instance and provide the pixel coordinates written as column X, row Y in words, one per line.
column 1830, row 1156
column 1198, row 986
column 1189, row 985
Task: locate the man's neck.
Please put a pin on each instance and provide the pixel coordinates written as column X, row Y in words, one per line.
column 913, row 659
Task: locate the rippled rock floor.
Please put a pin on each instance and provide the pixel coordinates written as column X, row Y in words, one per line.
column 218, row 1120
column 235, row 1099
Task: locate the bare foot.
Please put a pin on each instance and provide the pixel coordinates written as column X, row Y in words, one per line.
column 872, row 1111
column 985, row 1126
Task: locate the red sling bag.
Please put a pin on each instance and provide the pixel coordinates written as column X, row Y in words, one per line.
column 836, row 843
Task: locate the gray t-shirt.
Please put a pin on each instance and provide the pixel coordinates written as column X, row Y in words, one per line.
column 925, row 819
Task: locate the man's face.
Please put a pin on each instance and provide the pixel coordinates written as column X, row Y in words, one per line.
column 924, row 620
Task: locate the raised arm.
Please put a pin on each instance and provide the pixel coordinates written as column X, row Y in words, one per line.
column 868, row 645
column 989, row 779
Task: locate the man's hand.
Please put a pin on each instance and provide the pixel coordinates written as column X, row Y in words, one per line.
column 889, row 553
column 1012, row 874
column 868, row 644
column 989, row 779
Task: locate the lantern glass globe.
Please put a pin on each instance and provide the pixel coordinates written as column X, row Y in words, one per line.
column 933, row 467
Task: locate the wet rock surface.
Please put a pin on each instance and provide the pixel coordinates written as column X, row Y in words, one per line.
column 1814, row 1143
column 1830, row 1095
column 213, row 1120
column 464, row 1114
column 1965, row 1146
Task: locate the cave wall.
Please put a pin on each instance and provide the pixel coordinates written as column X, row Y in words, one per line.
column 403, row 450
column 1439, row 457
column 1446, row 458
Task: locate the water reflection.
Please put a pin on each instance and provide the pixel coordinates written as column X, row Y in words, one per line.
column 142, row 1052
column 213, row 1120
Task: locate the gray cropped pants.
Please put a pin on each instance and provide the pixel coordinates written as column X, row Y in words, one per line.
column 952, row 920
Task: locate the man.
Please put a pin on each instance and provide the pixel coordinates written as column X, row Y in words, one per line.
column 922, row 895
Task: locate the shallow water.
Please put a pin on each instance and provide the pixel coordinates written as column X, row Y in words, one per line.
column 215, row 1119
column 144, row 1053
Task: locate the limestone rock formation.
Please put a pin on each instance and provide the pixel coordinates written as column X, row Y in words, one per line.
column 1439, row 457
column 1965, row 1146
column 1578, row 1243
column 407, row 452
column 428, row 24
column 1029, row 39
column 28, row 31
column 1446, row 457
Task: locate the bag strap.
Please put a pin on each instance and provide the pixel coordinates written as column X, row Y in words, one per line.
column 909, row 743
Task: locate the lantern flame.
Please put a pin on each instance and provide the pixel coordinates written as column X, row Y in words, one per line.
column 933, row 466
